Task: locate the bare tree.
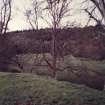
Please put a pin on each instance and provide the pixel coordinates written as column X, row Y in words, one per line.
column 5, row 15
column 57, row 10
column 34, row 13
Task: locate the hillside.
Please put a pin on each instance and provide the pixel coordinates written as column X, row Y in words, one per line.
column 23, row 88
column 81, row 42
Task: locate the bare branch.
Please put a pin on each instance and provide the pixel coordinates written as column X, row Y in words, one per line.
column 5, row 12
column 34, row 13
column 91, row 16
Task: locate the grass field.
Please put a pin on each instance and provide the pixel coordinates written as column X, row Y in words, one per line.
column 22, row 88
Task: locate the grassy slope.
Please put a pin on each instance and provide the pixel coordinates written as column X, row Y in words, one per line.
column 28, row 60
column 45, row 91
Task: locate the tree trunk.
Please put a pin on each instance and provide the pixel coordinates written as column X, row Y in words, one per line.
column 54, row 51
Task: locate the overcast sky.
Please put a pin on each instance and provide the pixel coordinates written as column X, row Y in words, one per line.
column 19, row 22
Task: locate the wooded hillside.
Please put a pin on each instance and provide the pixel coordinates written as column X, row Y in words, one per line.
column 86, row 42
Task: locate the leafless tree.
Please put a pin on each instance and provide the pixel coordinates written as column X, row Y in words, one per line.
column 57, row 10
column 5, row 15
column 34, row 13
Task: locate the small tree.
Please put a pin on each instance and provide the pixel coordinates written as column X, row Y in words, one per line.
column 5, row 15
column 57, row 10
column 33, row 14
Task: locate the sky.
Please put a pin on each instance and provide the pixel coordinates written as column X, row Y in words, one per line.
column 19, row 22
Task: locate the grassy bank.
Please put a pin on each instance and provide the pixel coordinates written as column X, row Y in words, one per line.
column 45, row 91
